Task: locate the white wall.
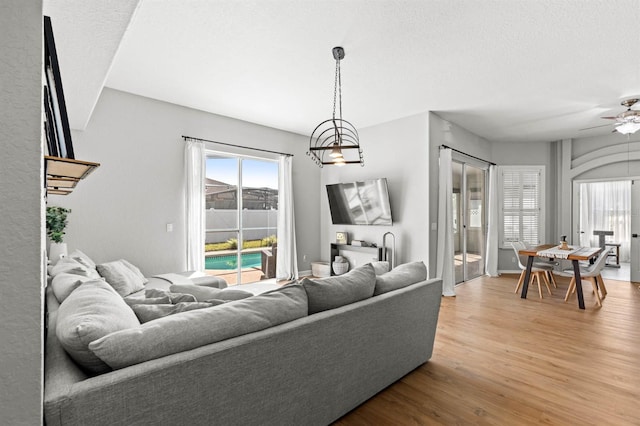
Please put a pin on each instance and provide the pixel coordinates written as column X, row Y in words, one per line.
column 396, row 150
column 121, row 210
column 21, row 251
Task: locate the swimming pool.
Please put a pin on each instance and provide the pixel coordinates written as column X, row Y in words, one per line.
column 249, row 260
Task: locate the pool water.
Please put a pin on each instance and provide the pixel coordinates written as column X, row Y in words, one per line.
column 249, row 260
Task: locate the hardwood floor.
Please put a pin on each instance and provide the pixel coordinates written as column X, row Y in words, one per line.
column 499, row 359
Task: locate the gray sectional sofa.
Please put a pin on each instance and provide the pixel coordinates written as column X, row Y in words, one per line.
column 335, row 346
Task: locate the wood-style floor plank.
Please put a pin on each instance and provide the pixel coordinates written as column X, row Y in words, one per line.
column 502, row 360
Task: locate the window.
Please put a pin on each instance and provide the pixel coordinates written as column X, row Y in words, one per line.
column 522, row 204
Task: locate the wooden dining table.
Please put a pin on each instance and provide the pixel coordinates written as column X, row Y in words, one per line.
column 582, row 253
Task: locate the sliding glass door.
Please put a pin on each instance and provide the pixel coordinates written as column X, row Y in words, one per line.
column 469, row 220
column 241, row 214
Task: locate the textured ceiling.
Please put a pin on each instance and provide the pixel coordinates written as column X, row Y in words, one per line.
column 520, row 71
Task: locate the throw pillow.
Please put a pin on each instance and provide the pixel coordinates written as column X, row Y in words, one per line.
column 135, row 270
column 79, row 256
column 332, row 292
column 202, row 293
column 71, row 266
column 146, row 313
column 401, row 276
column 121, row 277
column 64, row 283
column 91, row 311
column 178, row 333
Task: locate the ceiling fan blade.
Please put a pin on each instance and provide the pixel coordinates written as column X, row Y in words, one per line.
column 595, row 127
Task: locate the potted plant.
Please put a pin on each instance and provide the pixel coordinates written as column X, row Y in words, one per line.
column 56, row 223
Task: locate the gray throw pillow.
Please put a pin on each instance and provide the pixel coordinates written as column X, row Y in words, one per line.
column 135, row 270
column 203, row 293
column 124, row 280
column 178, row 333
column 91, row 311
column 401, row 276
column 83, row 259
column 146, row 313
column 67, row 265
column 64, row 283
column 332, row 292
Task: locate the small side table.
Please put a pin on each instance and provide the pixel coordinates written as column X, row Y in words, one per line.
column 612, row 253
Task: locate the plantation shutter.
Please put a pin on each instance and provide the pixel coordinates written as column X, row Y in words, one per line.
column 522, row 205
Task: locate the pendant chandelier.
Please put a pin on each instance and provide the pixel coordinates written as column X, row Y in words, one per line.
column 335, row 141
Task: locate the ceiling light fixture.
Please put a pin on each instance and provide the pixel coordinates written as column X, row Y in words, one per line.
column 335, row 135
column 629, row 121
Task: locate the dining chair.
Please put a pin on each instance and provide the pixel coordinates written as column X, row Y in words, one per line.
column 593, row 274
column 539, row 271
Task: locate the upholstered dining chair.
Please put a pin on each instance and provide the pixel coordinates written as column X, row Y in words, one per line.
column 593, row 274
column 539, row 271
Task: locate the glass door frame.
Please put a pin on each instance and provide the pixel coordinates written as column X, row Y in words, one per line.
column 239, row 229
column 463, row 206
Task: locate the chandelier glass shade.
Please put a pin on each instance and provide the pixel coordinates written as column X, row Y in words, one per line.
column 335, row 141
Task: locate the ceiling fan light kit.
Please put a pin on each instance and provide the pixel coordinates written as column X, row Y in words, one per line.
column 335, row 136
column 627, row 122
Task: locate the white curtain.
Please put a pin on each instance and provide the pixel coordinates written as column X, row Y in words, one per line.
column 444, row 258
column 286, row 258
column 491, row 264
column 195, row 204
column 606, row 206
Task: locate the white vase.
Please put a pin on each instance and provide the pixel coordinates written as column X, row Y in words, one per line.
column 57, row 251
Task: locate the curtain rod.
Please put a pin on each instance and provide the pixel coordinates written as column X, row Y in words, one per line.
column 186, row 138
column 468, row 155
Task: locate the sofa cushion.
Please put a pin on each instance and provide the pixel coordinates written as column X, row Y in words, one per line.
column 189, row 330
column 203, row 293
column 135, row 270
column 91, row 311
column 148, row 312
column 401, row 276
column 380, row 267
column 137, row 299
column 332, row 292
column 71, row 266
column 82, row 258
column 64, row 283
column 173, row 297
column 124, row 280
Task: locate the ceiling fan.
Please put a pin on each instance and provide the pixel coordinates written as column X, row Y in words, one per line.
column 626, row 122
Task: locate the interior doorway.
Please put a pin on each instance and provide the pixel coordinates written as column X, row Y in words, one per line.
column 469, row 220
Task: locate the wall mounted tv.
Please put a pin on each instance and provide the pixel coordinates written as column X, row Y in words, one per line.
column 360, row 203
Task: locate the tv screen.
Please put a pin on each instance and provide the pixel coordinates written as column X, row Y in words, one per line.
column 360, row 203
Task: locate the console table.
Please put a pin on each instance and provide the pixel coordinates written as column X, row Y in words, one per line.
column 376, row 252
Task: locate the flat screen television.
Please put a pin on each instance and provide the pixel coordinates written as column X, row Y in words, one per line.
column 360, row 203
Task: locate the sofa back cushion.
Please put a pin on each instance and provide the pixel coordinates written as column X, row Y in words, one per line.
column 332, row 292
column 400, row 276
column 90, row 312
column 192, row 329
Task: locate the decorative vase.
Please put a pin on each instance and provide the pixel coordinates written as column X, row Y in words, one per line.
column 57, row 251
